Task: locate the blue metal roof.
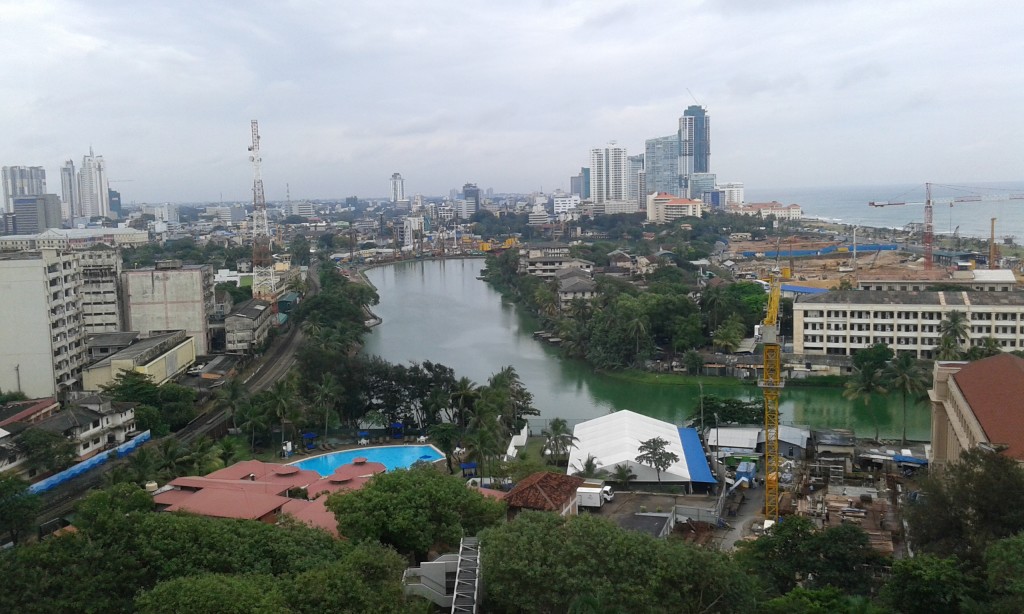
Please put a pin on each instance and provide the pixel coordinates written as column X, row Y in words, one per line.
column 696, row 462
column 803, row 289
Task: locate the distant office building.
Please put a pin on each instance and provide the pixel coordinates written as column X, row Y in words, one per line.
column 636, row 166
column 165, row 212
column 302, row 208
column 93, row 190
column 609, row 174
column 75, row 238
column 8, row 224
column 701, row 183
column 663, row 208
column 170, row 296
column 734, row 192
column 42, row 347
column 22, row 181
column 563, row 203
column 37, row 213
column 472, row 195
column 69, row 193
column 397, row 187
column 642, row 186
column 694, row 144
column 114, row 198
column 585, row 178
column 661, row 164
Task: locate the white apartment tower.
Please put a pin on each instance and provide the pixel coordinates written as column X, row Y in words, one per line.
column 397, row 187
column 609, row 174
column 71, row 207
column 93, row 187
column 22, row 181
column 42, row 348
column 101, row 285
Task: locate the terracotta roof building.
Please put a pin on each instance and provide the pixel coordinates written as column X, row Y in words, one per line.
column 978, row 404
column 544, row 491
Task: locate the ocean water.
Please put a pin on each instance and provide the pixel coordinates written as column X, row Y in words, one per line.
column 849, row 205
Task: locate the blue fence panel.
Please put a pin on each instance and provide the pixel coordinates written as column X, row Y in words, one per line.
column 87, row 465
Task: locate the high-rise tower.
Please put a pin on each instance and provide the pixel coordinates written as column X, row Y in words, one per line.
column 22, row 181
column 397, row 187
column 609, row 173
column 264, row 282
column 71, row 206
column 694, row 144
column 92, row 186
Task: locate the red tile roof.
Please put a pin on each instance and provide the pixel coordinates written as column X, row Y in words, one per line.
column 994, row 388
column 313, row 513
column 266, row 472
column 346, row 477
column 193, row 483
column 220, row 503
column 544, row 491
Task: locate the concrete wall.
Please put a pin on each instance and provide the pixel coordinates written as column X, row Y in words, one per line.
column 158, row 301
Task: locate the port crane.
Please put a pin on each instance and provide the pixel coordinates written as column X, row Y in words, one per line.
column 929, row 203
column 771, row 385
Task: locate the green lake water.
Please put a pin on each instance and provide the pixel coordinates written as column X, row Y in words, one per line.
column 438, row 310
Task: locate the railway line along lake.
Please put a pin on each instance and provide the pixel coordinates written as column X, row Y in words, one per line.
column 438, row 310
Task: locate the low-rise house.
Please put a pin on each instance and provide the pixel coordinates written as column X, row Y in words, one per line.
column 544, row 491
column 162, row 357
column 247, row 326
column 574, row 283
column 93, row 422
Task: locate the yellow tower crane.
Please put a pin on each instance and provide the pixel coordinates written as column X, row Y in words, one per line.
column 771, row 385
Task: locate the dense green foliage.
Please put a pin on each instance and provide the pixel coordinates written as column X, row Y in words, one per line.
column 18, row 508
column 121, row 548
column 414, row 511
column 174, row 404
column 543, row 562
column 46, row 451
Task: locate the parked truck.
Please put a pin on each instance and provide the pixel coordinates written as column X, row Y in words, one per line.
column 593, row 496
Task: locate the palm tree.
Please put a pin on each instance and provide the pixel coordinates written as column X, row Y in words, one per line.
column 712, row 301
column 947, row 349
column 253, row 418
column 325, row 396
column 203, row 456
column 864, row 385
column 637, row 327
column 623, row 475
column 589, row 469
column 905, row 374
column 144, row 465
column 956, row 326
column 172, row 458
column 560, row 438
column 464, row 397
column 230, row 397
column 446, row 437
column 281, row 402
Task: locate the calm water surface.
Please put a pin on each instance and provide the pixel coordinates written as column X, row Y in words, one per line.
column 439, row 311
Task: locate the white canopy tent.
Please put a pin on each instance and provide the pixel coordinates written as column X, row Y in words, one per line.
column 615, row 439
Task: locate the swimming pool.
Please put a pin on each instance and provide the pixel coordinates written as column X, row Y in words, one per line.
column 392, row 457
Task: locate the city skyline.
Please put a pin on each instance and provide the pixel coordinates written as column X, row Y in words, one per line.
column 803, row 94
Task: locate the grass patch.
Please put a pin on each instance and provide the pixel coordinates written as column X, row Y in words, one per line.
column 672, row 379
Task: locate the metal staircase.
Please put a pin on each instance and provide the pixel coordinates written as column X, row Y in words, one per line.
column 467, row 578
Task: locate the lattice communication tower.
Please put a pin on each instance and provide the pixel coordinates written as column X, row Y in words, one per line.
column 264, row 282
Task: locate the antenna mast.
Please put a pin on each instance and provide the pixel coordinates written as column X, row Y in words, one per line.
column 264, row 282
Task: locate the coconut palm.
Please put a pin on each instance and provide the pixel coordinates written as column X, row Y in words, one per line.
column 144, row 465
column 252, row 418
column 230, row 397
column 947, row 349
column 589, row 469
column 863, row 386
column 956, row 326
column 906, row 376
column 281, row 402
column 325, row 396
column 560, row 438
column 446, row 437
column 623, row 475
column 464, row 397
column 172, row 458
column 203, row 457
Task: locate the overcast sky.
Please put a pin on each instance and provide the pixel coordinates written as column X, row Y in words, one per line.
column 510, row 95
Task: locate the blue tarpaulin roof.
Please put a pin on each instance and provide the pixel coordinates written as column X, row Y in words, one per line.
column 696, row 462
column 899, row 458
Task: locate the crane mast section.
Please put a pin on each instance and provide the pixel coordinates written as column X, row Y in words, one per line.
column 771, row 385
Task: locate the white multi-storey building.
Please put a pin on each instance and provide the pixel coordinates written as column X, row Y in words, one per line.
column 766, row 210
column 42, row 347
column 609, row 173
column 734, row 192
column 75, row 238
column 397, row 187
column 663, row 208
column 563, row 203
column 22, row 181
column 843, row 322
column 93, row 188
column 71, row 206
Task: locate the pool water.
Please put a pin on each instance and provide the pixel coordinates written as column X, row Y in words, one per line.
column 392, row 457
